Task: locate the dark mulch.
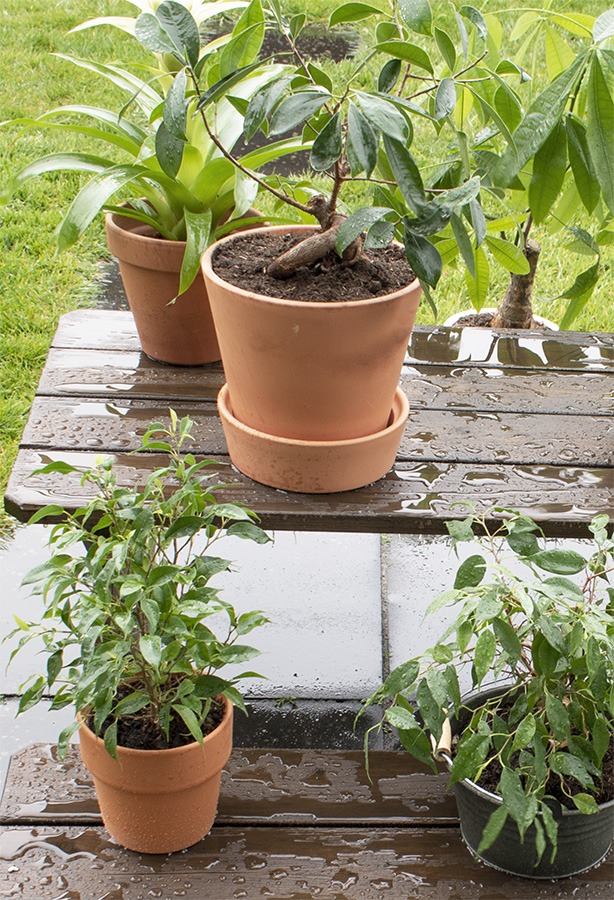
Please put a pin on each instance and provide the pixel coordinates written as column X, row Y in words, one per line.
column 484, row 320
column 244, row 261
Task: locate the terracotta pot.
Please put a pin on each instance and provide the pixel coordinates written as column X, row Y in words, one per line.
column 159, row 801
column 310, row 371
column 315, row 467
column 182, row 333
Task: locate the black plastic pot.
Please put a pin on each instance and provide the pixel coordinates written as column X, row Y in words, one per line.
column 583, row 840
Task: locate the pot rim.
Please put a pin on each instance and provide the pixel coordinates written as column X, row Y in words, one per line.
column 185, row 748
column 133, row 234
column 208, row 271
column 442, row 755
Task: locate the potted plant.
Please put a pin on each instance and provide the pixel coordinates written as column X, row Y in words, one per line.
column 313, row 321
column 178, row 192
column 136, row 640
column 531, row 756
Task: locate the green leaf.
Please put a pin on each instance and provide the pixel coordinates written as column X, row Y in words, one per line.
column 110, row 740
column 32, row 695
column 508, row 255
column 537, row 124
column 559, row 55
column 151, row 35
column 248, row 531
column 399, row 717
column 446, row 47
column 417, row 744
column 198, row 231
column 445, row 98
column 175, row 109
column 423, row 257
column 246, row 41
column 406, row 173
column 327, row 147
column 549, row 166
column 582, row 166
column 558, row 717
column 604, row 26
column 476, row 18
column 131, row 704
column 296, row 109
column 361, row 143
column 219, row 90
column 508, row 107
column 565, row 764
column 181, row 27
column 64, row 738
column 579, row 294
column 352, row 12
column 600, row 127
column 401, row 678
column 521, row 807
column 484, row 654
column 508, row 639
column 463, row 242
column 477, row 286
column 380, row 235
column 525, row 732
column 359, row 222
column 151, row 648
column 169, row 151
column 190, row 720
column 493, row 828
column 381, row 114
column 389, row 76
column 470, row 754
column 408, row 52
column 470, row 573
column 560, row 562
column 585, row 803
column 417, row 15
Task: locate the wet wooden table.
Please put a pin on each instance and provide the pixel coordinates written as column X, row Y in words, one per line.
column 291, row 824
column 516, row 419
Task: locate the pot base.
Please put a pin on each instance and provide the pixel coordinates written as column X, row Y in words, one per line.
column 312, row 467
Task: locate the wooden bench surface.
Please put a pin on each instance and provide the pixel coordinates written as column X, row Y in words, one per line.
column 518, row 419
column 291, row 824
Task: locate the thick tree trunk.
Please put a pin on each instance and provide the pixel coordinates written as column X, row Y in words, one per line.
column 515, row 310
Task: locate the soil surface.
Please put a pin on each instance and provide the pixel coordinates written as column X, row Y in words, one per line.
column 484, row 320
column 139, row 733
column 243, row 263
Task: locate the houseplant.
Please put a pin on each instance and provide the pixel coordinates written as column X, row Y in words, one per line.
column 304, row 403
column 130, row 634
column 177, row 192
column 532, row 758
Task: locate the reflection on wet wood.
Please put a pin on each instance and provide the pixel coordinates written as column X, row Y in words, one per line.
column 292, row 824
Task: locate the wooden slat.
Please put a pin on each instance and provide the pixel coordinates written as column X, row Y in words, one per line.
column 288, row 787
column 123, row 374
column 110, row 330
column 414, row 498
column 453, row 436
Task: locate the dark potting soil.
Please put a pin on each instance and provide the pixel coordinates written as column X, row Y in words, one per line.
column 484, row 320
column 244, row 261
column 139, row 733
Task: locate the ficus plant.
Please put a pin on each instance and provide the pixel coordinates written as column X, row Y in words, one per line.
column 132, row 628
column 153, row 153
column 539, row 623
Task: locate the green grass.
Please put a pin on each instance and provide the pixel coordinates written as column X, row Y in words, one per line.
column 37, row 286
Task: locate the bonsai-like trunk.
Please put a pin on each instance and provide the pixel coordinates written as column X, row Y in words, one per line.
column 516, row 310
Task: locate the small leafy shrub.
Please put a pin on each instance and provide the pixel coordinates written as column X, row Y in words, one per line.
column 125, row 623
column 547, row 639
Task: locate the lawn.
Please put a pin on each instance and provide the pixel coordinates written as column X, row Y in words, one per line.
column 37, row 285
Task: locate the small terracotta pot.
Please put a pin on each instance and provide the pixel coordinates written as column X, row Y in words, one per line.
column 159, row 801
column 314, row 467
column 182, row 333
column 310, row 371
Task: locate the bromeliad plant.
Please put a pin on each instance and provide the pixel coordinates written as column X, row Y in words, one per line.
column 158, row 156
column 128, row 599
column 547, row 640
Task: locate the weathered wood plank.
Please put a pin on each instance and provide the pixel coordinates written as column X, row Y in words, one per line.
column 289, row 787
column 122, row 374
column 95, row 329
column 453, row 435
column 414, row 498
column 50, row 863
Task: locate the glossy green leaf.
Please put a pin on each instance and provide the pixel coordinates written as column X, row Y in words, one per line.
column 493, row 828
column 381, row 114
column 604, row 26
column 445, row 98
column 149, row 32
column 242, row 49
column 417, row 15
column 423, row 257
column 484, row 654
column 220, row 88
column 198, row 231
column 478, row 220
column 566, row 764
column 296, row 24
column 190, row 720
column 522, row 807
column 600, row 128
column 559, row 55
column 585, row 803
column 549, row 167
column 470, row 573
column 169, row 151
column 143, row 93
column 110, row 740
column 245, row 192
column 575, row 23
column 560, row 562
column 399, row 717
column 352, row 12
column 181, row 27
column 537, row 125
column 408, row 52
column 492, row 112
column 446, row 47
column 389, row 76
column 508, row 107
column 296, row 109
column 579, row 294
column 320, row 77
column 327, row 147
column 151, row 648
column 406, row 173
column 558, row 717
column 470, row 755
column 581, row 162
column 508, row 255
column 477, row 286
column 463, row 242
column 359, row 222
column 175, row 107
column 476, row 18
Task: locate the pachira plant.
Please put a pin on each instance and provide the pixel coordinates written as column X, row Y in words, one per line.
column 539, row 624
column 157, row 156
column 128, row 601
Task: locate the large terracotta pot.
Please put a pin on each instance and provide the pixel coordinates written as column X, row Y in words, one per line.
column 310, row 371
column 182, row 333
column 159, row 801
